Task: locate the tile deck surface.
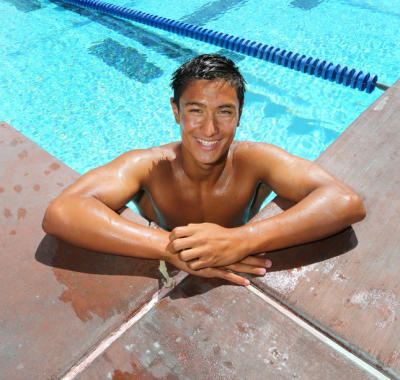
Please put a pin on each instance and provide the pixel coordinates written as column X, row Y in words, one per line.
column 56, row 300
column 358, row 283
column 203, row 330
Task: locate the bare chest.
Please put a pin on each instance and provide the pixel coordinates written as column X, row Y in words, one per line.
column 174, row 204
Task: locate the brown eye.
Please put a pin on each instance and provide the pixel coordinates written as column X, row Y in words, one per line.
column 226, row 112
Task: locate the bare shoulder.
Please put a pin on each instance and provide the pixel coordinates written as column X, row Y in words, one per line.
column 246, row 148
column 119, row 180
column 261, row 157
column 143, row 159
column 288, row 175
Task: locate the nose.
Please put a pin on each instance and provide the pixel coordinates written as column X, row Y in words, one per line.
column 210, row 127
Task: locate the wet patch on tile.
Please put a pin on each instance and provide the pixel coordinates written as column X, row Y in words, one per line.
column 79, row 271
column 23, row 154
column 381, row 302
column 21, row 213
column 7, row 213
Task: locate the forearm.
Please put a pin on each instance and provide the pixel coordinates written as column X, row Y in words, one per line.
column 88, row 223
column 322, row 213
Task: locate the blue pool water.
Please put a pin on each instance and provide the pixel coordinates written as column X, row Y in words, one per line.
column 87, row 87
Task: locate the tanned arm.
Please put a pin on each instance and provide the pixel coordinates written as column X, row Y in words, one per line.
column 85, row 214
column 324, row 206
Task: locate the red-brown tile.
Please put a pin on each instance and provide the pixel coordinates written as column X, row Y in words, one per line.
column 349, row 282
column 203, row 330
column 57, row 301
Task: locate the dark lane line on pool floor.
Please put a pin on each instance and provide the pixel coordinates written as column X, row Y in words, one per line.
column 126, row 60
column 212, row 11
column 25, row 6
column 150, row 40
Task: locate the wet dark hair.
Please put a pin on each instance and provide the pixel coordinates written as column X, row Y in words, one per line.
column 209, row 67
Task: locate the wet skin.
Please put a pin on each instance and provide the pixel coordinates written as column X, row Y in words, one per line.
column 203, row 191
column 208, row 171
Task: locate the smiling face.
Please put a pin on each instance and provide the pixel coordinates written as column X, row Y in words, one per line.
column 208, row 115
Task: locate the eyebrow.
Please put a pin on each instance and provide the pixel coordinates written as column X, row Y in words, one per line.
column 227, row 105
column 193, row 104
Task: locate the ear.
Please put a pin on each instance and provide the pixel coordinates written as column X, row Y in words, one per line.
column 175, row 110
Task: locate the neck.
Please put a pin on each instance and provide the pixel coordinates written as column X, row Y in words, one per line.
column 202, row 173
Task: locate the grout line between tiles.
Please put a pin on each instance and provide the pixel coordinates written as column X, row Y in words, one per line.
column 113, row 336
column 107, row 341
column 318, row 334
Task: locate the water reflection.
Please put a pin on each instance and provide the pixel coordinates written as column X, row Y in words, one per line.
column 305, row 136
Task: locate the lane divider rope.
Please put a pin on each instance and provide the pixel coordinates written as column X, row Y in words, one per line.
column 320, row 68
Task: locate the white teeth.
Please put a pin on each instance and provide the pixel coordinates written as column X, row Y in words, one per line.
column 207, row 143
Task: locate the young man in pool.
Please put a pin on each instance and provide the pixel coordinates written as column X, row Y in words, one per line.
column 204, row 189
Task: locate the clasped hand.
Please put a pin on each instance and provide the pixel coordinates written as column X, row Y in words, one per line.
column 201, row 248
column 206, row 245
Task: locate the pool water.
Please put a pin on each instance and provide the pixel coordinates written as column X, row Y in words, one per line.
column 88, row 87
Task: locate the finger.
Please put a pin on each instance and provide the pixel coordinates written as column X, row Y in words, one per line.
column 257, row 262
column 180, row 232
column 198, row 264
column 177, row 232
column 171, row 249
column 234, row 278
column 189, row 255
column 223, row 274
column 181, row 244
column 244, row 268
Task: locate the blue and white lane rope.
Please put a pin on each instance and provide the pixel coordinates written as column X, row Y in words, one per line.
column 299, row 62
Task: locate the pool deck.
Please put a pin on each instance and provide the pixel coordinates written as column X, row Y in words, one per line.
column 326, row 310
